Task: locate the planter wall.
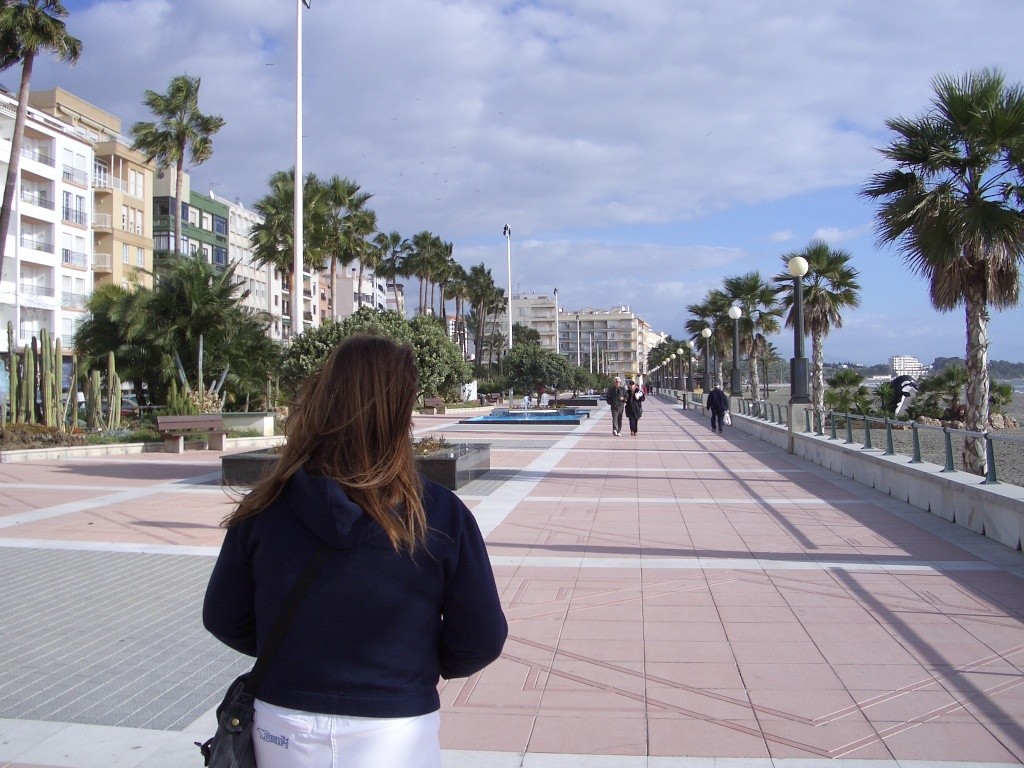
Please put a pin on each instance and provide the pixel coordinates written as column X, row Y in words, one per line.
column 451, row 468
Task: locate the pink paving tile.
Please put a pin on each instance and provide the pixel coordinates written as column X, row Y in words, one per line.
column 697, row 737
column 491, row 731
column 772, row 676
column 683, row 650
column 14, row 501
column 945, row 741
column 715, row 675
column 712, row 703
column 780, row 632
column 601, row 649
column 806, row 705
column 606, row 735
column 848, row 738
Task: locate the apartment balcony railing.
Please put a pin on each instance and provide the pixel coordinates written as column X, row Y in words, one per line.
column 102, row 262
column 31, row 289
column 74, row 258
column 103, row 221
column 36, row 245
column 39, row 156
column 73, row 300
column 75, row 216
column 76, row 176
column 38, row 200
column 110, row 182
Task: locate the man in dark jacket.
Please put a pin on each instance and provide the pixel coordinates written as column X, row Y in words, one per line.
column 718, row 404
column 616, row 398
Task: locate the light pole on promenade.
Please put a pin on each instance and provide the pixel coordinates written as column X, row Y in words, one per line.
column 708, row 378
column 297, row 257
column 736, row 388
column 507, row 231
column 798, row 267
column 578, row 340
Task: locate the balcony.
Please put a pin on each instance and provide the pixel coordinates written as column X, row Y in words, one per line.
column 104, row 183
column 73, row 300
column 102, row 262
column 37, row 200
column 39, row 156
column 31, row 289
column 76, row 176
column 74, row 258
column 75, row 216
column 103, row 221
column 36, row 245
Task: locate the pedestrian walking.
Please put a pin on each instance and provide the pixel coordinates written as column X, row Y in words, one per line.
column 405, row 596
column 634, row 405
column 616, row 398
column 718, row 404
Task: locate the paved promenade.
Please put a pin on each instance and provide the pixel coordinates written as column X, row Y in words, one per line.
column 682, row 599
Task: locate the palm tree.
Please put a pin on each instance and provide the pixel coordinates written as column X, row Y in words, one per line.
column 28, row 28
column 480, row 289
column 180, row 131
column 348, row 223
column 759, row 319
column 423, row 263
column 830, row 286
column 394, row 250
column 952, row 207
column 274, row 237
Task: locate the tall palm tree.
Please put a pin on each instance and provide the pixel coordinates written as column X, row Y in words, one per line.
column 394, row 250
column 458, row 289
column 952, row 206
column 759, row 319
column 829, row 287
column 28, row 28
column 423, row 263
column 349, row 222
column 480, row 288
column 180, row 131
column 274, row 237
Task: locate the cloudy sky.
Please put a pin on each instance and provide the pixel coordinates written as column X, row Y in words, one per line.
column 641, row 152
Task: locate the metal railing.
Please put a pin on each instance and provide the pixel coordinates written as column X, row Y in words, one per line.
column 75, row 216
column 37, row 199
column 31, row 289
column 858, row 429
column 74, row 258
column 36, row 245
column 76, row 176
column 38, row 155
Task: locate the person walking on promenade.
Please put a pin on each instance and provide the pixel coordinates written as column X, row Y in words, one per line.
column 406, row 594
column 616, row 398
column 634, row 405
column 718, row 403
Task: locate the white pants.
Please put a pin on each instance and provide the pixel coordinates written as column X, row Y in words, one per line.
column 289, row 738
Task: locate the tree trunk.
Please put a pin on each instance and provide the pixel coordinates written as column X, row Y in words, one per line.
column 359, row 287
column 977, row 390
column 179, row 171
column 334, row 288
column 817, row 371
column 15, row 161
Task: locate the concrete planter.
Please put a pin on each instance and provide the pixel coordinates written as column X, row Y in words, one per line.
column 452, row 468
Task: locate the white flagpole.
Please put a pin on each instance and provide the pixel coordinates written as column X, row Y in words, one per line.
column 297, row 257
column 508, row 240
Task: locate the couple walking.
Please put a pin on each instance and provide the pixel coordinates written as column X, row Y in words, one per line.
column 628, row 399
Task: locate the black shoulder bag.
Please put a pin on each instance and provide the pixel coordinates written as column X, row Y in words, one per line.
column 231, row 746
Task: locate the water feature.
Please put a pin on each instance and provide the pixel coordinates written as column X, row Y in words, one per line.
column 508, row 416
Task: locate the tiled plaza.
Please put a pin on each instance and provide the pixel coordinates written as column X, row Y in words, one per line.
column 682, row 599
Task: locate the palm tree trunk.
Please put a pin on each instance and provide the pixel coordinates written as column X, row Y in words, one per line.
column 359, row 287
column 334, row 288
column 15, row 161
column 977, row 390
column 178, row 183
column 755, row 379
column 817, row 371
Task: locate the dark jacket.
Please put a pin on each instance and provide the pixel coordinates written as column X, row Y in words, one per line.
column 635, row 403
column 717, row 401
column 378, row 628
column 613, row 396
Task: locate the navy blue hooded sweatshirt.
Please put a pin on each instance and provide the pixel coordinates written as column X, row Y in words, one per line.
column 378, row 628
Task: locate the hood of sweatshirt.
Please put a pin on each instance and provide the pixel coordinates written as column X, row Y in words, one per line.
column 322, row 505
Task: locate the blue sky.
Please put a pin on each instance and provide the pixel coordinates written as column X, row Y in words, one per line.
column 641, row 152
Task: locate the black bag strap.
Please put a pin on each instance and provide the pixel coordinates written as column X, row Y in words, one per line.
column 277, row 633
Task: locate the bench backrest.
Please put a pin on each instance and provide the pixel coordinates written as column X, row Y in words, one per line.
column 434, row 401
column 199, row 421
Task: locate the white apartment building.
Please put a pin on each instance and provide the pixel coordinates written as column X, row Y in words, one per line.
column 396, row 297
column 905, row 365
column 613, row 341
column 47, row 269
column 263, row 282
column 531, row 310
column 352, row 294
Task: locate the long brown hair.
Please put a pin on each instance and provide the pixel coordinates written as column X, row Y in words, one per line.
column 353, row 423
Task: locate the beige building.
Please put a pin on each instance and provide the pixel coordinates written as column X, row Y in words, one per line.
column 610, row 341
column 122, row 191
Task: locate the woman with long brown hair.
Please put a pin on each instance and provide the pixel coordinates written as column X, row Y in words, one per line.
column 406, row 596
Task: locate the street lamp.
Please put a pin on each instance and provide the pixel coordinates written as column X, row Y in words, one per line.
column 736, row 388
column 708, row 378
column 297, row 256
column 507, row 231
column 798, row 365
column 578, row 340
column 558, row 351
column 671, row 371
column 682, row 373
column 590, row 354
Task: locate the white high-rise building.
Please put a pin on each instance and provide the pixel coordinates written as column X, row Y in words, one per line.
column 905, row 365
column 47, row 269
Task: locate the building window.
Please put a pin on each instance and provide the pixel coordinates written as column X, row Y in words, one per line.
column 125, row 254
column 140, row 256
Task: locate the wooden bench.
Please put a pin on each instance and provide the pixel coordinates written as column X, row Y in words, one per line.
column 174, row 430
column 433, row 405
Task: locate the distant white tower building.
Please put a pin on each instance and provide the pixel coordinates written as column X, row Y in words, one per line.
column 905, row 365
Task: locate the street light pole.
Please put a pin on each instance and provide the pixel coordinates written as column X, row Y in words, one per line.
column 558, row 351
column 297, row 257
column 578, row 345
column 798, row 267
column 708, row 379
column 688, row 383
column 508, row 242
column 590, row 355
column 736, row 388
